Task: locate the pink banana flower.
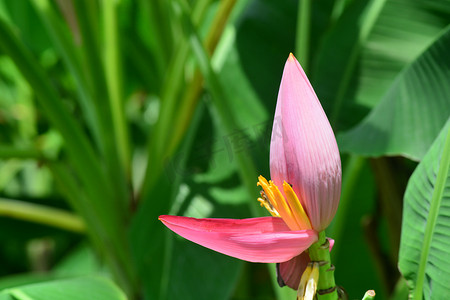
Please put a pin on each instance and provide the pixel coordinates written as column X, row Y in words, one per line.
column 302, row 198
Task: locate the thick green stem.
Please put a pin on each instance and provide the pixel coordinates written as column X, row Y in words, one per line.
column 320, row 252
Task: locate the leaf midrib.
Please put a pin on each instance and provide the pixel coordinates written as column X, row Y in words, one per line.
column 432, row 216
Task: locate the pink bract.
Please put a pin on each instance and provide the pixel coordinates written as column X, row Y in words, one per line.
column 265, row 240
column 303, row 153
column 303, row 149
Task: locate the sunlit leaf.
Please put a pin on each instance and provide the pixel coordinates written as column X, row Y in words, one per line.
column 412, row 112
column 424, row 258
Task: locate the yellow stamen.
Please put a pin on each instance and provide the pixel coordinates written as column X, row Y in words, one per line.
column 266, row 203
column 289, row 208
column 283, row 207
column 299, row 213
column 277, row 200
column 265, row 185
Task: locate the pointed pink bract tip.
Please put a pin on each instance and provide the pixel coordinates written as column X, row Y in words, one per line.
column 291, row 57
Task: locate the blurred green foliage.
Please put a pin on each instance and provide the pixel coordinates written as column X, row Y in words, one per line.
column 115, row 112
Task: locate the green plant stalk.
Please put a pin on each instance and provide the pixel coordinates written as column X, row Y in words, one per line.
column 77, row 199
column 92, row 67
column 192, row 94
column 368, row 20
column 187, row 107
column 81, row 154
column 157, row 147
column 94, row 72
column 79, row 149
column 175, row 116
column 303, row 33
column 71, row 58
column 369, row 295
column 41, row 214
column 169, row 102
column 114, row 83
column 89, row 95
column 152, row 42
column 246, row 168
column 218, row 25
column 320, row 252
column 436, row 199
column 144, row 63
column 19, row 152
column 159, row 16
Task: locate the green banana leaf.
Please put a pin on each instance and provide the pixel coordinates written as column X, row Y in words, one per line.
column 412, row 112
column 424, row 259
